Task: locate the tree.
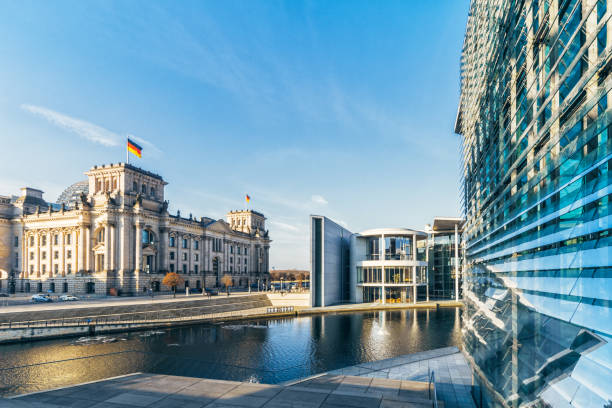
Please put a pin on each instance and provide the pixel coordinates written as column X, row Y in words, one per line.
column 172, row 279
column 227, row 281
column 300, row 278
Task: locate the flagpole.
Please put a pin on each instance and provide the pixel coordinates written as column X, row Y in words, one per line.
column 127, row 153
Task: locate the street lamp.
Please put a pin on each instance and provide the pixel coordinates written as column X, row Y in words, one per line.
column 282, row 283
column 148, row 271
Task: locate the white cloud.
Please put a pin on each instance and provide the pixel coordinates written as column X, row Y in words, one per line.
column 86, row 130
column 318, row 199
column 285, row 226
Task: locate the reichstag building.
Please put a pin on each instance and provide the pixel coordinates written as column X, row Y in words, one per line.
column 114, row 234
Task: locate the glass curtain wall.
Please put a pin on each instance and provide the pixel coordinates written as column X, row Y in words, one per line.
column 369, row 274
column 373, row 249
column 398, row 248
column 536, row 153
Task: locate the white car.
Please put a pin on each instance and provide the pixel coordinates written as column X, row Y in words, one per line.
column 68, row 298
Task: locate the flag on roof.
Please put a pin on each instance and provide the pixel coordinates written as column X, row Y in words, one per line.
column 134, row 148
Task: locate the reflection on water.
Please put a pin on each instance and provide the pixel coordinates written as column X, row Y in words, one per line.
column 269, row 351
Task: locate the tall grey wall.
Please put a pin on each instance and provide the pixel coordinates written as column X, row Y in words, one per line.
column 330, row 264
column 358, row 253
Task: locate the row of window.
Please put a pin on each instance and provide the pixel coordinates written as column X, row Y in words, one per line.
column 43, row 240
column 39, row 287
column 592, row 150
column 196, row 258
column 143, row 189
column 196, row 269
column 43, row 255
column 56, row 271
column 184, row 243
column 398, row 274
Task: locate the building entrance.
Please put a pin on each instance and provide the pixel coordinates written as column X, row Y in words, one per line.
column 398, row 295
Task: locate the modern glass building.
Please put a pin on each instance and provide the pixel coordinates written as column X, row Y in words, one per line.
column 390, row 265
column 444, row 254
column 535, row 123
column 385, row 265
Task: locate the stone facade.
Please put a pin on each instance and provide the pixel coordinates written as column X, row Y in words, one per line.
column 120, row 236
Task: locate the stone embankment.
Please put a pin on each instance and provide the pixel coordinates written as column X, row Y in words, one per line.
column 36, row 322
column 74, row 320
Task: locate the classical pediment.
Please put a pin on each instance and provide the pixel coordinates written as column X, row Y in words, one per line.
column 219, row 226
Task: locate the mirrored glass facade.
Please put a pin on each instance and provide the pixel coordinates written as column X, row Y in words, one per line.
column 536, row 155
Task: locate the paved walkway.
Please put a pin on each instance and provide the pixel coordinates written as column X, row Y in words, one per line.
column 452, row 373
column 392, row 383
column 377, row 306
column 23, row 304
column 163, row 391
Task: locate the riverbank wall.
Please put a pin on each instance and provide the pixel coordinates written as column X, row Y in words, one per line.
column 102, row 319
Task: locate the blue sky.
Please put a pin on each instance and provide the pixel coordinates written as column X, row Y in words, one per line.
column 341, row 108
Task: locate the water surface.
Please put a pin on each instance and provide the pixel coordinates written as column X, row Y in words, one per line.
column 263, row 350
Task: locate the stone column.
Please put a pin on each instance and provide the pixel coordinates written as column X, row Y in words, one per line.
column 63, row 253
column 87, row 249
column 37, row 241
column 189, row 254
column 25, row 255
column 113, row 250
column 107, row 248
column 78, row 253
column 162, row 253
column 138, row 248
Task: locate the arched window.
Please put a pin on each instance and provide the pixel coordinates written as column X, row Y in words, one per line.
column 144, row 189
column 152, row 192
column 135, row 187
column 114, row 183
column 148, row 237
column 100, row 236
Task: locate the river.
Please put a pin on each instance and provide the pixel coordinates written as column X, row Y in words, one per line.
column 263, row 350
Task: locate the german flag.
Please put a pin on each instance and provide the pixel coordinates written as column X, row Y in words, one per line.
column 134, row 148
column 248, row 198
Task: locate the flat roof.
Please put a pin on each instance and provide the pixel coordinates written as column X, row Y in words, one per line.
column 447, row 223
column 391, row 231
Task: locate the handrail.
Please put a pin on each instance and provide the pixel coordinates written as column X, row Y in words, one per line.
column 432, row 381
column 106, row 318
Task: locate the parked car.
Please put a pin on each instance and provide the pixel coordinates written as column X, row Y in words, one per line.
column 41, row 298
column 211, row 292
column 4, row 295
column 68, row 298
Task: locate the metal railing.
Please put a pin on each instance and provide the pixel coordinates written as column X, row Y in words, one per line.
column 431, row 388
column 245, row 308
column 280, row 309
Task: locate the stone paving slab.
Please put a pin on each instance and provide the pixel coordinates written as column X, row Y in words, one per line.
column 392, row 383
column 164, row 391
column 452, row 373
